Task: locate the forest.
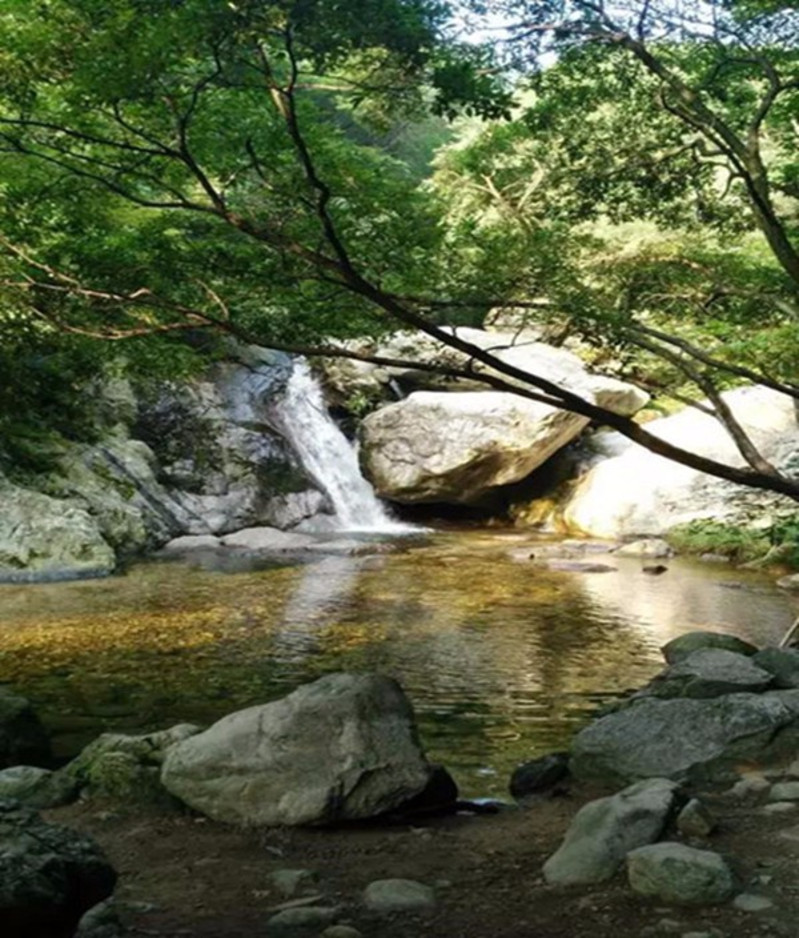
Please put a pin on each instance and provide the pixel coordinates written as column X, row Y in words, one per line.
column 399, row 467
column 298, row 173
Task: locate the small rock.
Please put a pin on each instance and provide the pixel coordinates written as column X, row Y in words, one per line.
column 695, row 820
column 398, row 895
column 684, row 645
column 749, row 902
column 297, row 923
column 190, row 542
column 539, row 775
column 750, row 785
column 790, row 582
column 679, row 874
column 780, row 807
column 649, row 547
column 580, row 566
column 784, row 791
column 101, row 921
column 712, row 933
column 288, row 882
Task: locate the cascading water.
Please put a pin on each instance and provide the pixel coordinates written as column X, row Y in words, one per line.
column 329, row 457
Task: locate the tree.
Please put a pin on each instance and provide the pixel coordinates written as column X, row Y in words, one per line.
column 202, row 127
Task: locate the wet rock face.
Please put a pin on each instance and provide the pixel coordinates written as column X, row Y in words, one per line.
column 43, row 538
column 342, row 748
column 49, row 875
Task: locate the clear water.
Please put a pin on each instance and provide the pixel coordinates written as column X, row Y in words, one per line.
column 502, row 659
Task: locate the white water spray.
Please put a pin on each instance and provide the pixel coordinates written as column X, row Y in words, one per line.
column 330, row 458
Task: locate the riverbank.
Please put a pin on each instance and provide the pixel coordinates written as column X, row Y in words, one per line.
column 187, row 876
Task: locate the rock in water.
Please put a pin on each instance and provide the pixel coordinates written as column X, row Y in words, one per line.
column 49, row 876
column 679, row 874
column 343, row 748
column 540, row 775
column 23, row 740
column 603, row 832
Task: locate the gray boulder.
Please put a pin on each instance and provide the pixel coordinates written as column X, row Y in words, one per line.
column 37, row 788
column 49, row 875
column 23, row 739
column 709, row 672
column 700, row 740
column 683, row 875
column 684, row 645
column 604, row 831
column 342, row 748
column 782, row 664
column 43, row 538
column 440, row 446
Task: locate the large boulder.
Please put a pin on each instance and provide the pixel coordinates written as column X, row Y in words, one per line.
column 343, row 748
column 456, row 447
column 629, row 491
column 44, row 538
column 699, row 740
column 49, row 875
column 604, row 831
column 23, row 739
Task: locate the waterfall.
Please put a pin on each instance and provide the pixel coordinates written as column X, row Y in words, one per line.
column 329, row 457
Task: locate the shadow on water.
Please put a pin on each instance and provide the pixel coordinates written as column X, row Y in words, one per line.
column 502, row 658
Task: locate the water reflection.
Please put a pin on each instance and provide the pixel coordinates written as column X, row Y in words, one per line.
column 502, row 659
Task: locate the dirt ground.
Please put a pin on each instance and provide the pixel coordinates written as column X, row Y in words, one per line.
column 182, row 875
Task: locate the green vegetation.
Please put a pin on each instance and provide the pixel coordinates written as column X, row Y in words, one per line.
column 298, row 172
column 776, row 544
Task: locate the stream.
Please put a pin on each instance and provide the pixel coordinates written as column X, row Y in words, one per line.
column 502, row 658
